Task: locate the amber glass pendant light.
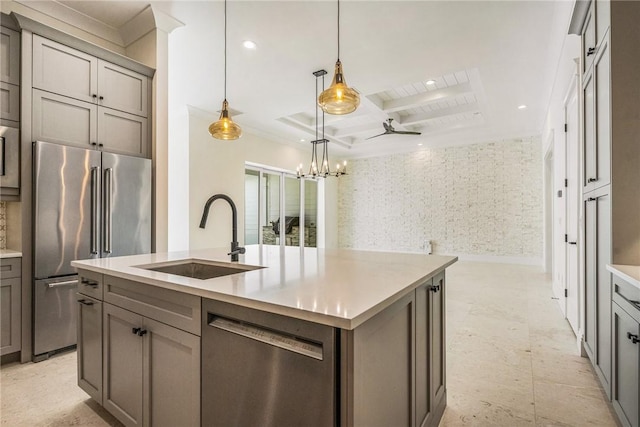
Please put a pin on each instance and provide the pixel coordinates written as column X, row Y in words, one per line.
column 225, row 128
column 339, row 98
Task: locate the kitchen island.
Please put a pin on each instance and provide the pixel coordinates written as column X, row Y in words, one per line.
column 296, row 336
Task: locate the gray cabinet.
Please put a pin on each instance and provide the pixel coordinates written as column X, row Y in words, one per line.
column 626, row 392
column 90, row 346
column 81, row 100
column 66, row 71
column 64, row 120
column 430, row 351
column 151, row 371
column 10, row 308
column 598, row 284
column 122, row 364
column 10, row 77
column 133, row 357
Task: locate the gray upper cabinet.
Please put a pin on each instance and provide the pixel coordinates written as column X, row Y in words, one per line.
column 10, row 56
column 66, row 71
column 81, row 100
column 63, row 70
column 122, row 89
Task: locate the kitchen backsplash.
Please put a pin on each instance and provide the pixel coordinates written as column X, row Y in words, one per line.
column 481, row 199
column 3, row 225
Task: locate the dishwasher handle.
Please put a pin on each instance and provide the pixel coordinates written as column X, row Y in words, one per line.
column 268, row 336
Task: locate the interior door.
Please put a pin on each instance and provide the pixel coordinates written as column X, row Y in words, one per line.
column 572, row 210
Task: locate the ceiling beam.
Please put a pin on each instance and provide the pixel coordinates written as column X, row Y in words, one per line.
column 443, row 112
column 310, row 129
column 425, row 98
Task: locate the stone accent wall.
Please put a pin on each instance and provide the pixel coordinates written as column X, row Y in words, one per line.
column 481, row 199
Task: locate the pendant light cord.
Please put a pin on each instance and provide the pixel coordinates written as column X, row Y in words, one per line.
column 225, row 50
column 338, row 30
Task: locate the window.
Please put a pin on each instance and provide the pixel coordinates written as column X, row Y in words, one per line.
column 280, row 209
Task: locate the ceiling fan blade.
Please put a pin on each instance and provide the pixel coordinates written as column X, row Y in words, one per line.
column 402, row 132
column 375, row 136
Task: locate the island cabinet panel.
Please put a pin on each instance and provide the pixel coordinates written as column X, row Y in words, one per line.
column 437, row 356
column 171, row 383
column 123, row 367
column 382, row 369
column 90, row 346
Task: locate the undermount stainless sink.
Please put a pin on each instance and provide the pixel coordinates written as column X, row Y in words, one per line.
column 199, row 269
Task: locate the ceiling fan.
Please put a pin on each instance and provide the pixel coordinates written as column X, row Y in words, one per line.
column 389, row 130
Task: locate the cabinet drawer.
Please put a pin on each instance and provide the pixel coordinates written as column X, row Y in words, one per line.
column 90, row 284
column 626, row 295
column 10, row 267
column 164, row 305
column 10, row 102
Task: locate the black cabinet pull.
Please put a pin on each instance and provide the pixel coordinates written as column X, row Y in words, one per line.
column 591, row 51
column 136, row 331
column 592, row 199
column 94, row 96
column 85, row 302
column 87, row 282
column 101, row 98
column 592, row 179
column 634, row 338
column 142, row 332
column 434, row 288
column 93, row 143
column 572, row 243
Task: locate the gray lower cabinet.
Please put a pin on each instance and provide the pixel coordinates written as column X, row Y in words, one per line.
column 10, row 305
column 626, row 391
column 598, row 292
column 151, row 371
column 430, row 351
column 90, row 346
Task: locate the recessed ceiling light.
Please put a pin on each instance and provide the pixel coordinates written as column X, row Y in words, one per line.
column 522, row 107
column 249, row 44
column 420, row 145
column 302, row 140
column 430, row 82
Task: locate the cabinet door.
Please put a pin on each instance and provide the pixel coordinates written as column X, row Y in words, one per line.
column 9, row 56
column 63, row 70
column 589, row 38
column 602, row 152
column 9, row 102
column 172, row 376
column 590, row 277
column 122, row 133
column 10, row 315
column 63, row 120
column 590, row 173
column 438, row 349
column 424, row 416
column 122, row 89
column 90, row 346
column 603, row 291
column 626, row 393
column 122, row 356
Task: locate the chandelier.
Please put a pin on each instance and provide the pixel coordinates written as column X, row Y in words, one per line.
column 320, row 169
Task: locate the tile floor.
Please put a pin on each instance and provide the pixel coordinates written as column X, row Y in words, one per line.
column 512, row 361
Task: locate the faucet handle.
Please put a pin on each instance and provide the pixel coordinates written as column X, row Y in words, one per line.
column 237, row 250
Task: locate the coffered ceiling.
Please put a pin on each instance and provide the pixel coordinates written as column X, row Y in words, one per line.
column 483, row 59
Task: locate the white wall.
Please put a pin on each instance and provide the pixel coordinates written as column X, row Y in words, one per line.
column 218, row 167
column 482, row 201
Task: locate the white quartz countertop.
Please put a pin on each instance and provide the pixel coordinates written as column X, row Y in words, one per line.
column 630, row 273
column 336, row 287
column 8, row 253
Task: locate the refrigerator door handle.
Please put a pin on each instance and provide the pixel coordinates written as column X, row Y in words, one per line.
column 108, row 176
column 94, row 210
column 65, row 283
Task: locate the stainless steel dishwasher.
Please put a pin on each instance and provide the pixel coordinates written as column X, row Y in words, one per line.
column 263, row 369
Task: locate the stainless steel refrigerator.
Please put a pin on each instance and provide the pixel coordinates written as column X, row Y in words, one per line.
column 87, row 204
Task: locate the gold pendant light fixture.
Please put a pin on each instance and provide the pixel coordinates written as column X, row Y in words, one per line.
column 225, row 128
column 339, row 98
